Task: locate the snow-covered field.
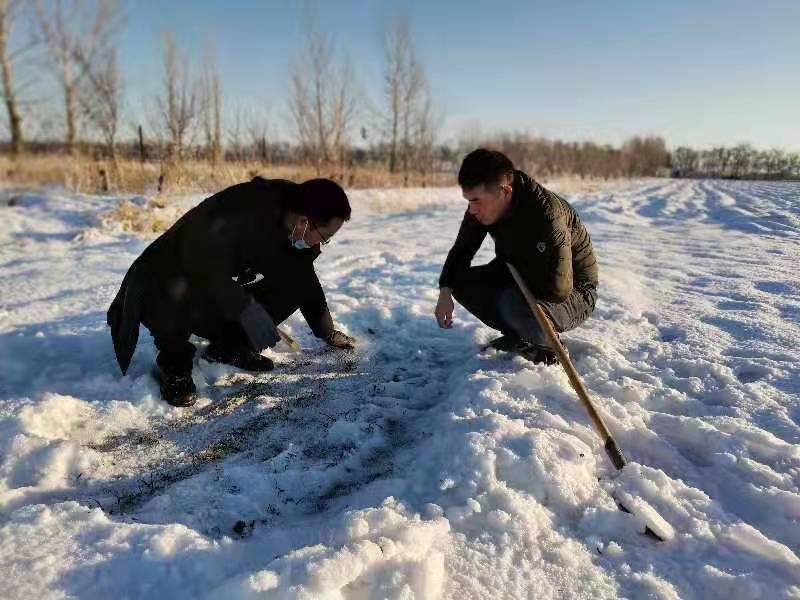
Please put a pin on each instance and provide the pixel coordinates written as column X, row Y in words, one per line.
column 418, row 467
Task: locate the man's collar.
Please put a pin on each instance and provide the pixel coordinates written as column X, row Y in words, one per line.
column 520, row 187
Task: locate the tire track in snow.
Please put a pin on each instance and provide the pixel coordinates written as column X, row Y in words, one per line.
column 719, row 381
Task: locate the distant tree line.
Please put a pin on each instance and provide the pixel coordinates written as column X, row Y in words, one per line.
column 636, row 157
column 71, row 46
column 739, row 162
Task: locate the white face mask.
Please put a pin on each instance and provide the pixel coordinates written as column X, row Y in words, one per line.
column 299, row 244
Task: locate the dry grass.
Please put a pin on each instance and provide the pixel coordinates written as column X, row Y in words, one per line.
column 153, row 211
column 151, row 217
column 84, row 175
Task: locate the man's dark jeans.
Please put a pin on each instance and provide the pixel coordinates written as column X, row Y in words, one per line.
column 490, row 293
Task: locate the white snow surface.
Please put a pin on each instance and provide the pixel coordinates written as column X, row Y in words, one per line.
column 418, row 466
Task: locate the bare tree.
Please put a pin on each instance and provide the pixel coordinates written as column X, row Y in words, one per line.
column 414, row 99
column 778, row 164
column 718, row 160
column 101, row 98
column 177, row 106
column 211, row 108
column 741, row 159
column 398, row 54
column 742, row 162
column 16, row 45
column 101, row 94
column 258, row 133
column 408, row 117
column 425, row 138
column 321, row 100
column 793, row 166
column 236, row 145
column 771, row 164
column 685, row 161
column 75, row 36
column 644, row 156
column 344, row 110
column 309, row 95
column 7, row 10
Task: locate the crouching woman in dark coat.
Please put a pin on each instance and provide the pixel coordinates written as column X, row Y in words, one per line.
column 200, row 277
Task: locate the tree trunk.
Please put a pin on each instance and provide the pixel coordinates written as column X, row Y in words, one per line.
column 393, row 146
column 69, row 109
column 142, row 155
column 15, row 125
column 14, row 117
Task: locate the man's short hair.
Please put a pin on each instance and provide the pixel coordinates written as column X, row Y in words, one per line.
column 322, row 200
column 484, row 166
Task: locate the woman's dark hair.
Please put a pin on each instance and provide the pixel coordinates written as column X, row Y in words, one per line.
column 484, row 166
column 322, row 200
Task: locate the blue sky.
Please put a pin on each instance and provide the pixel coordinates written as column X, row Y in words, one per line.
column 699, row 73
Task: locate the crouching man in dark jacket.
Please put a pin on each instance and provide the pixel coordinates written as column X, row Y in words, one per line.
column 533, row 229
column 183, row 283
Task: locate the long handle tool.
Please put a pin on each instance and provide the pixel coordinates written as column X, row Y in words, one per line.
column 655, row 524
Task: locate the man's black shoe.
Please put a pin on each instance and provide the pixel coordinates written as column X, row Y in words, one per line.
column 507, row 343
column 177, row 390
column 532, row 352
column 539, row 355
column 246, row 360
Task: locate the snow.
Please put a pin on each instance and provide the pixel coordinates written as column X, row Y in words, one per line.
column 418, row 466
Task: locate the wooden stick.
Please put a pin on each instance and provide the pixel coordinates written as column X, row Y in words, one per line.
column 288, row 339
column 613, row 451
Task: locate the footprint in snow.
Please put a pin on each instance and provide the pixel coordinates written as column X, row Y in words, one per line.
column 752, row 373
column 736, row 305
column 773, row 287
column 671, row 334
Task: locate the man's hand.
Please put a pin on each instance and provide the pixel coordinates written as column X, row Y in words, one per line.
column 444, row 308
column 340, row 340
